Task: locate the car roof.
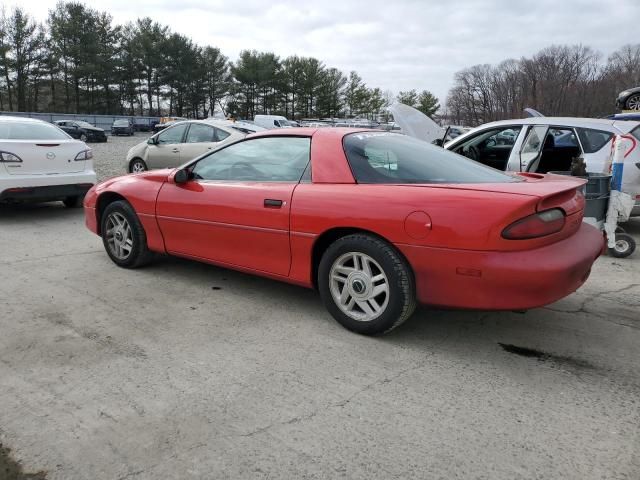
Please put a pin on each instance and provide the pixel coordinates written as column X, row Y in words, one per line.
column 604, row 123
column 12, row 119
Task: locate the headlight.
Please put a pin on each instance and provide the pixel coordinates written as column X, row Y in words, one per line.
column 84, row 155
column 7, row 157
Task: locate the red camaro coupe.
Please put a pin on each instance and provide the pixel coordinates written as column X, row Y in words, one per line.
column 376, row 221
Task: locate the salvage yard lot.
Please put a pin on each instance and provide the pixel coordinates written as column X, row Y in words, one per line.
column 184, row 370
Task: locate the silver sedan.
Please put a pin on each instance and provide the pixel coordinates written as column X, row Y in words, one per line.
column 183, row 142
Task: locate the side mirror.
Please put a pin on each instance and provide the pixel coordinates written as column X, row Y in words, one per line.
column 152, row 141
column 182, row 176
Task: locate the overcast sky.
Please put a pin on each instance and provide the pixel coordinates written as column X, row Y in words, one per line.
column 392, row 44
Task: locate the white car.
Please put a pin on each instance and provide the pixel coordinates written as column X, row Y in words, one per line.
column 40, row 162
column 544, row 144
column 184, row 141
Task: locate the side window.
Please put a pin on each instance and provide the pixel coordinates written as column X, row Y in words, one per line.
column 275, row 123
column 220, row 135
column 593, row 140
column 172, row 134
column 199, row 133
column 490, row 147
column 271, row 159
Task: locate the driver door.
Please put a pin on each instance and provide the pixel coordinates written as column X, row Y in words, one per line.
column 235, row 209
column 165, row 153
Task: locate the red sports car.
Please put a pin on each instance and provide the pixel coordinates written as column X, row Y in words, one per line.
column 376, row 221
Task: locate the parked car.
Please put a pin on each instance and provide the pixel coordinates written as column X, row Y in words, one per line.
column 629, row 99
column 82, row 130
column 544, row 144
column 180, row 143
column 40, row 162
column 273, row 121
column 122, row 127
column 376, row 221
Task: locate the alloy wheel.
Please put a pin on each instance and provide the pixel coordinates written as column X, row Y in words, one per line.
column 119, row 236
column 359, row 286
column 138, row 167
column 633, row 102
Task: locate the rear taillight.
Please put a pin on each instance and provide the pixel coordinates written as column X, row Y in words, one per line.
column 537, row 225
column 84, row 155
column 7, row 157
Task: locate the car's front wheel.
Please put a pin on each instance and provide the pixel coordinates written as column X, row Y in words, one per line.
column 137, row 165
column 83, row 137
column 366, row 284
column 123, row 236
column 633, row 102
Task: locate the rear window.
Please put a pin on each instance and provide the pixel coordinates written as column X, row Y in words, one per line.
column 121, row 123
column 30, row 131
column 393, row 158
column 593, row 140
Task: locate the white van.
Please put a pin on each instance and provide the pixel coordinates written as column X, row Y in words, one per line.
column 273, row 121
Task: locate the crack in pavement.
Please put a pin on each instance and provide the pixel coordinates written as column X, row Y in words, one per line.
column 58, row 255
column 342, row 403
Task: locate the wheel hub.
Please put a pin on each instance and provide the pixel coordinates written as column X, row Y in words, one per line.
column 359, row 285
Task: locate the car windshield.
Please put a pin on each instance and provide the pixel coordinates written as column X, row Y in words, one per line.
column 84, row 124
column 30, row 131
column 393, row 158
column 121, row 123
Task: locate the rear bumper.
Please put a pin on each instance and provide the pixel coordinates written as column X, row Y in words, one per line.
column 44, row 194
column 504, row 280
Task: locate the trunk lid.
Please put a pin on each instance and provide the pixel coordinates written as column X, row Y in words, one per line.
column 553, row 191
column 44, row 157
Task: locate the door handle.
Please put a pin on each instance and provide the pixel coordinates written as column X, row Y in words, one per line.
column 272, row 203
column 175, row 150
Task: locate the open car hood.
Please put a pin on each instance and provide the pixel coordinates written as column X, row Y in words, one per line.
column 415, row 123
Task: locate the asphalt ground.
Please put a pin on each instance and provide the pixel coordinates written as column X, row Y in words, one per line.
column 184, row 370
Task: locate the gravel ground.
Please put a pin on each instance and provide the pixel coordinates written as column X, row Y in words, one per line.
column 109, row 158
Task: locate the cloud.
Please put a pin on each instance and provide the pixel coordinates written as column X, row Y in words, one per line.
column 395, row 45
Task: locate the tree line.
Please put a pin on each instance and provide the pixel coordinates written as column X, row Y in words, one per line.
column 557, row 81
column 79, row 61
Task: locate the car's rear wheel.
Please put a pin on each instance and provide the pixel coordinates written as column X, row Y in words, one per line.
column 123, row 236
column 137, row 165
column 73, row 202
column 633, row 102
column 84, row 137
column 366, row 285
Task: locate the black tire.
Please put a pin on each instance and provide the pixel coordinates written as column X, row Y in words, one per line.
column 139, row 254
column 73, row 202
column 140, row 162
column 625, row 246
column 401, row 301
